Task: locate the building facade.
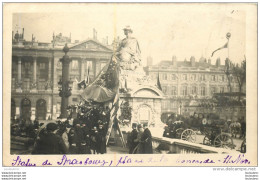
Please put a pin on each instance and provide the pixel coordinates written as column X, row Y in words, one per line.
column 186, row 82
column 36, row 71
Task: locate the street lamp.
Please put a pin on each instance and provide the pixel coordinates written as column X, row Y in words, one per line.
column 65, row 89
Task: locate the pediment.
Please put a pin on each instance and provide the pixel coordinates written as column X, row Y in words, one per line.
column 90, row 45
column 145, row 93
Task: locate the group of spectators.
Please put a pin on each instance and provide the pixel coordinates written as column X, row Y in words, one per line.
column 83, row 132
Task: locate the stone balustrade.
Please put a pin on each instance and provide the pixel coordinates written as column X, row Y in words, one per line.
column 178, row 146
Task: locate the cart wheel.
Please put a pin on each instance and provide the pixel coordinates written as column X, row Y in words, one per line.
column 224, row 140
column 188, row 135
column 206, row 141
column 178, row 133
column 243, row 146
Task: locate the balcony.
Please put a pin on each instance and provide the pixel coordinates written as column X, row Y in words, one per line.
column 29, row 86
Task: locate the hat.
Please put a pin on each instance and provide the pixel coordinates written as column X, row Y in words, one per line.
column 51, row 127
column 140, row 126
column 145, row 125
column 128, row 28
column 134, row 125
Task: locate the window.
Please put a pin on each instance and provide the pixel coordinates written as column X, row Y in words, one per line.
column 172, row 105
column 202, row 77
column 213, row 78
column 102, row 64
column 173, row 77
column 42, row 66
column 212, row 90
column 173, row 91
column 75, row 99
column 164, row 104
column 193, row 77
column 164, row 89
column 203, row 91
column 74, row 64
column 221, row 89
column 184, row 90
column 222, row 78
column 164, row 76
column 193, row 90
column 184, row 77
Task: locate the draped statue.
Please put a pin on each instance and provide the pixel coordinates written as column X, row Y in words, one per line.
column 124, row 71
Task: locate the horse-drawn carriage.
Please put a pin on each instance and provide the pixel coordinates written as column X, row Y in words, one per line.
column 215, row 131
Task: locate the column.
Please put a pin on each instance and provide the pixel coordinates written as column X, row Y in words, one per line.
column 49, row 73
column 98, row 66
column 55, row 74
column 34, row 69
column 19, row 75
column 34, row 84
column 49, row 70
column 19, row 69
column 82, row 71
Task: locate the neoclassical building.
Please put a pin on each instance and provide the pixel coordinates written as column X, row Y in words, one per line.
column 36, row 71
column 184, row 82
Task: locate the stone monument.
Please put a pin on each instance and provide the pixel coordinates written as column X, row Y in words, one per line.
column 142, row 94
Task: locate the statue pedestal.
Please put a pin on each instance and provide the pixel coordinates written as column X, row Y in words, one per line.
column 145, row 102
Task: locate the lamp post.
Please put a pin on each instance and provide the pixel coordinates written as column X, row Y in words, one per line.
column 65, row 89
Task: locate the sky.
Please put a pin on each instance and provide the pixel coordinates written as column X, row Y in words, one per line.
column 162, row 30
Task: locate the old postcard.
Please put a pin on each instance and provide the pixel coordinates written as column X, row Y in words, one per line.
column 129, row 84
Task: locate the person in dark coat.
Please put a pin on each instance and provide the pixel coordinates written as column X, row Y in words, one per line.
column 85, row 143
column 93, row 139
column 49, row 142
column 133, row 141
column 101, row 140
column 78, row 137
column 243, row 128
column 72, row 137
column 146, row 139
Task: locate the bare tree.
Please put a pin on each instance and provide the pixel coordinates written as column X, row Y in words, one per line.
column 239, row 72
column 228, row 72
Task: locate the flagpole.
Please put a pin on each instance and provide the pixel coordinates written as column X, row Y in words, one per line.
column 228, row 48
column 228, row 36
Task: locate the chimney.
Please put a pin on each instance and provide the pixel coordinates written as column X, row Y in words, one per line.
column 192, row 61
column 209, row 61
column 202, row 59
column 23, row 34
column 218, row 63
column 149, row 61
column 94, row 33
column 174, row 61
column 107, row 40
column 12, row 35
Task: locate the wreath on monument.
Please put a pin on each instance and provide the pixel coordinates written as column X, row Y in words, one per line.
column 126, row 112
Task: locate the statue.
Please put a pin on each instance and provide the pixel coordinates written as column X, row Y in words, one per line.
column 129, row 56
column 128, row 51
column 122, row 72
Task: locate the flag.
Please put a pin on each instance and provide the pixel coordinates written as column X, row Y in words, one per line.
column 106, row 84
column 158, row 83
column 225, row 46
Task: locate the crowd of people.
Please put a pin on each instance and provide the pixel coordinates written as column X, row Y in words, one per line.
column 83, row 132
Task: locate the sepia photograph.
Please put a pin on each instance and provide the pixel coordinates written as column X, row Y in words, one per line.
column 117, row 80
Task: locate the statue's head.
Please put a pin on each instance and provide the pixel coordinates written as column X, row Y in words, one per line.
column 128, row 30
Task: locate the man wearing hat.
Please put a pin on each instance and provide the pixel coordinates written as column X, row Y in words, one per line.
column 146, row 139
column 49, row 142
column 133, row 141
